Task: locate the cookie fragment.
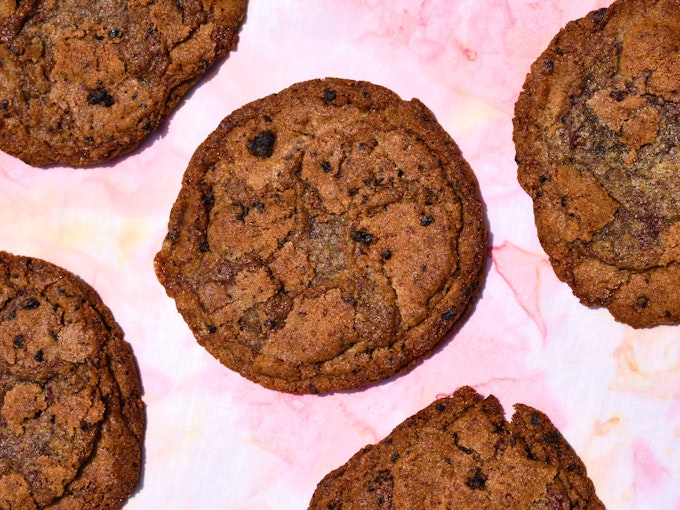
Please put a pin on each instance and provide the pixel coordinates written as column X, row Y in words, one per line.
column 71, row 415
column 84, row 81
column 460, row 452
column 596, row 129
column 325, row 237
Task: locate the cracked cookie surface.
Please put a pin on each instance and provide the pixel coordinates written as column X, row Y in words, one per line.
column 325, row 237
column 71, row 414
column 86, row 81
column 460, row 452
column 596, row 129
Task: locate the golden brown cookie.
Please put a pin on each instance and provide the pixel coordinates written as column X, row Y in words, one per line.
column 460, row 452
column 71, row 414
column 596, row 132
column 325, row 237
column 84, row 81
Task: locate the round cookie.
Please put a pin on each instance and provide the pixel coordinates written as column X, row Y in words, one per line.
column 596, row 130
column 325, row 237
column 71, row 415
column 460, row 452
column 84, row 81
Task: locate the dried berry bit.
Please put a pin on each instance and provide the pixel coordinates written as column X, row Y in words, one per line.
column 262, row 144
column 100, row 96
column 329, row 96
column 642, row 301
column 426, row 220
column 363, row 237
column 476, row 481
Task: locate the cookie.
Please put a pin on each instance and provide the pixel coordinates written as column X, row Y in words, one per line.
column 460, row 452
column 595, row 131
column 71, row 414
column 84, row 81
column 325, row 237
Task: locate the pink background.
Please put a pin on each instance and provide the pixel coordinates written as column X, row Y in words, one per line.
column 217, row 441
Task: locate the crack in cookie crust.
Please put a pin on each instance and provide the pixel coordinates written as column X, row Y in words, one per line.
column 325, row 237
column 596, row 129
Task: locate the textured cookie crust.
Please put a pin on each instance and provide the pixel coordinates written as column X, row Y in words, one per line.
column 325, row 237
column 71, row 414
column 84, row 81
column 460, row 452
column 596, row 132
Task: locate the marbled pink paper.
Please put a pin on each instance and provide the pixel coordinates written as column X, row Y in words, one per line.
column 217, row 441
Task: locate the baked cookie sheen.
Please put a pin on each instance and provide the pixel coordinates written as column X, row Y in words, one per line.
column 596, row 132
column 325, row 237
column 460, row 452
column 71, row 414
column 84, row 81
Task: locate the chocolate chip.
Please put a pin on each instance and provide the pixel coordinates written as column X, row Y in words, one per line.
column 598, row 16
column 477, row 480
column 551, row 437
column 244, row 210
column 19, row 342
column 209, row 199
column 363, row 237
column 387, row 255
column 328, row 96
column 32, row 304
column 426, row 220
column 39, row 356
column 212, row 329
column 447, row 315
column 326, row 167
column 440, row 407
column 204, row 246
column 262, row 144
column 617, row 95
column 394, row 457
column 642, row 301
column 100, row 96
